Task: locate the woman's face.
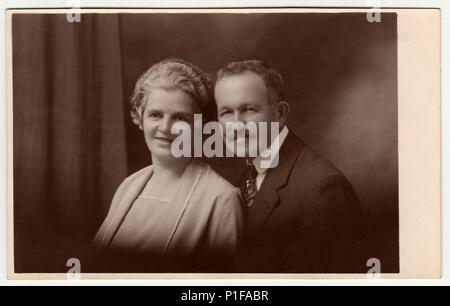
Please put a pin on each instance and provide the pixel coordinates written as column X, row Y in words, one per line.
column 163, row 109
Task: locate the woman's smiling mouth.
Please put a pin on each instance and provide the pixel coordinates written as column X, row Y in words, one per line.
column 164, row 140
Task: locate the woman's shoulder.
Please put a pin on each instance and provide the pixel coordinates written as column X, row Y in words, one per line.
column 137, row 176
column 216, row 183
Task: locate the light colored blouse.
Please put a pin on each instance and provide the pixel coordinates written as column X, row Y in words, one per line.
column 142, row 229
column 203, row 217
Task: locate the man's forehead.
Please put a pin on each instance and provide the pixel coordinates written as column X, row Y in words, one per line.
column 244, row 82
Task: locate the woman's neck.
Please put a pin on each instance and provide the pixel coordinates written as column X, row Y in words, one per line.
column 173, row 168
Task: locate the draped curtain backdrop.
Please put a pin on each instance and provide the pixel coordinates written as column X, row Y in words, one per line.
column 69, row 135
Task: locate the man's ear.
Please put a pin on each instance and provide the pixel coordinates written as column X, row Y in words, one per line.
column 141, row 127
column 282, row 112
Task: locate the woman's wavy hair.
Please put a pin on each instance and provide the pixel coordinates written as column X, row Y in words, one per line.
column 172, row 74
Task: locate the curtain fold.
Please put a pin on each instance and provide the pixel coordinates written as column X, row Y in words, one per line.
column 69, row 134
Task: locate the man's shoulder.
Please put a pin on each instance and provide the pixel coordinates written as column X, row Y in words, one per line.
column 320, row 186
column 315, row 164
column 310, row 166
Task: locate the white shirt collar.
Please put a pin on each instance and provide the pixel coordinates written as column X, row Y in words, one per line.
column 274, row 154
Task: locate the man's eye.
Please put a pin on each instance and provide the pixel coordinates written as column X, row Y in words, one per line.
column 227, row 112
column 181, row 118
column 250, row 109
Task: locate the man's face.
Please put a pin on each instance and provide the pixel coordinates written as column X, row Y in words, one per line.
column 244, row 98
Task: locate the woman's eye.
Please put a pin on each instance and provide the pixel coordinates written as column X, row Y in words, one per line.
column 154, row 115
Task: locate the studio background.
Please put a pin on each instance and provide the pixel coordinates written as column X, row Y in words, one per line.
column 74, row 141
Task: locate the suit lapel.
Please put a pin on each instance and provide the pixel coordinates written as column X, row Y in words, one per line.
column 267, row 197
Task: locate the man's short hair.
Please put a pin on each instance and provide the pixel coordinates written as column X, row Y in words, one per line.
column 272, row 78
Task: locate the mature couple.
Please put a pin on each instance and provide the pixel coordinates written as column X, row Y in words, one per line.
column 178, row 214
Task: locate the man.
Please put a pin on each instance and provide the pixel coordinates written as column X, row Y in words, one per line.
column 302, row 214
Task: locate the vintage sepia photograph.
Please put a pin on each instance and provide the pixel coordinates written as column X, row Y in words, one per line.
column 224, row 142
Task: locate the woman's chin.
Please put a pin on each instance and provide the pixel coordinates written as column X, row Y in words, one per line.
column 160, row 150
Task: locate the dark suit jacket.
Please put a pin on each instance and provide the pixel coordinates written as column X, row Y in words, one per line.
column 305, row 219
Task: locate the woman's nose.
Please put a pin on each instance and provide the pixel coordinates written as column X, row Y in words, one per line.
column 165, row 125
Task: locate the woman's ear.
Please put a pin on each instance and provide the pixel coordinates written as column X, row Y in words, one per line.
column 282, row 112
column 141, row 127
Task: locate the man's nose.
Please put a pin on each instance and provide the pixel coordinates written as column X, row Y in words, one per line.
column 239, row 117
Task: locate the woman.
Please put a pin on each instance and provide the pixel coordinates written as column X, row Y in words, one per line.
column 178, row 209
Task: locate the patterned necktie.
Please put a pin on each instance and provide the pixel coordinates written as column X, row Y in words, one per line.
column 248, row 186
